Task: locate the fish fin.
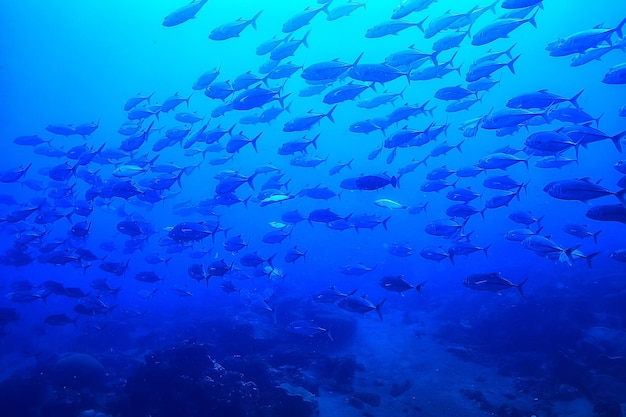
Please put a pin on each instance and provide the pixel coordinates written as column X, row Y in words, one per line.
column 590, row 257
column 595, row 236
column 270, row 260
column 420, row 25
column 532, row 19
column 304, row 39
column 520, row 287
column 619, row 27
column 253, row 141
column 379, row 309
column 617, row 140
column 329, row 115
column 568, row 253
column 384, row 222
column 512, row 62
column 574, row 99
column 253, row 20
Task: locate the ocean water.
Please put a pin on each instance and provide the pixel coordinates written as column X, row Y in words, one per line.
column 130, row 287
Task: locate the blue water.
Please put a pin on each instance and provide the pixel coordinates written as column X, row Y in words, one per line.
column 556, row 347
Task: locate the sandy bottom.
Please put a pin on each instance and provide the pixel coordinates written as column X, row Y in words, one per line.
column 397, row 353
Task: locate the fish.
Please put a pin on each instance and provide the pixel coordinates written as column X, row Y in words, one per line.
column 355, row 269
column 298, row 145
column 493, row 282
column 361, row 305
column 580, row 42
column 331, row 295
column 306, row 122
column 619, row 255
column 581, row 231
column 465, row 248
column 303, row 18
column 581, row 189
column 375, row 182
column 543, row 246
column 390, row 204
column 436, row 253
column 397, row 283
column 485, row 69
column 541, row 99
column 59, row 320
column 407, row 7
column 307, row 328
column 615, row 75
column 500, row 161
column 233, row 29
column 14, row 174
column 293, row 254
column 608, row 213
column 500, row 28
column 391, row 27
column 184, row 13
column 526, row 218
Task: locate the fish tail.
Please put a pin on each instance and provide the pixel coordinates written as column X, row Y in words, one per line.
column 620, row 195
column 419, row 287
column 253, row 141
column 619, row 27
column 253, row 20
column 330, row 114
column 304, row 39
column 314, row 141
column 597, row 120
column 458, row 70
column 568, row 253
column 433, row 57
column 251, row 178
column 264, row 79
column 384, row 222
column 617, row 140
column 330, row 336
column 532, row 19
column 270, row 261
column 325, row 8
column 590, row 257
column 508, row 51
column 574, row 99
column 356, row 61
column 379, row 309
column 451, row 257
column 485, row 249
column 595, row 236
column 281, row 100
column 511, row 63
column 420, row 26
column 520, row 287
